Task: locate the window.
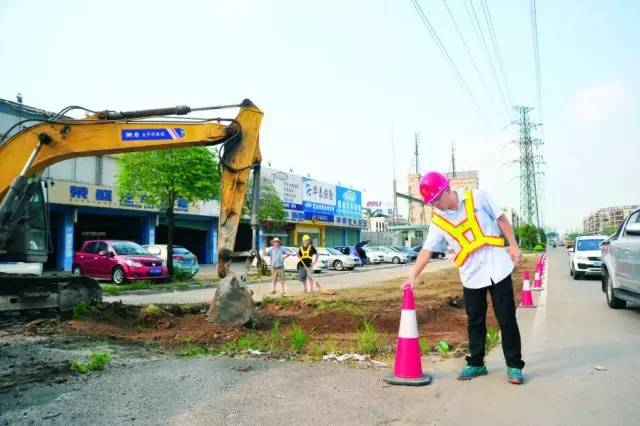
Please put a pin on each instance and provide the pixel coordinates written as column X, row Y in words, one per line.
column 91, row 247
column 109, row 171
column 587, row 245
column 102, row 246
column 635, row 218
column 127, row 248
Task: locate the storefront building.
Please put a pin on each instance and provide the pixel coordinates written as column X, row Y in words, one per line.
column 330, row 214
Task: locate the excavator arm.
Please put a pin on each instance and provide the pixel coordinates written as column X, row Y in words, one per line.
column 29, row 152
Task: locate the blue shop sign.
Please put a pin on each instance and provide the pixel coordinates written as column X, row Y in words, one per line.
column 348, row 202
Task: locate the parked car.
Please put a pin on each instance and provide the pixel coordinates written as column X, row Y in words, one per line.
column 621, row 264
column 291, row 263
column 585, row 257
column 361, row 253
column 183, row 259
column 118, row 261
column 409, row 252
column 389, row 255
column 434, row 255
column 337, row 260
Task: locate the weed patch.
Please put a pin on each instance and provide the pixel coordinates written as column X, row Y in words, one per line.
column 194, row 351
column 97, row 361
column 299, row 338
column 493, row 338
column 337, row 306
column 425, row 347
column 368, row 339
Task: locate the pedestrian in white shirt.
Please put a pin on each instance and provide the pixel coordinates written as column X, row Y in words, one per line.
column 473, row 226
column 277, row 256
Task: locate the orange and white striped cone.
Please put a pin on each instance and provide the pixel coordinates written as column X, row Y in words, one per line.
column 407, row 368
column 526, row 296
column 537, row 281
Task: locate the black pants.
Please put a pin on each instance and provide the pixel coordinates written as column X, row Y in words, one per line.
column 475, row 302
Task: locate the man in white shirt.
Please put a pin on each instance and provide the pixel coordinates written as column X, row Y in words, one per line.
column 471, row 224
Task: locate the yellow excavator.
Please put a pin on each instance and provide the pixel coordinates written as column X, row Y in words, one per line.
column 24, row 225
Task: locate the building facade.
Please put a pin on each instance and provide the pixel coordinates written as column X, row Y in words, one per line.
column 605, row 219
column 330, row 214
column 513, row 216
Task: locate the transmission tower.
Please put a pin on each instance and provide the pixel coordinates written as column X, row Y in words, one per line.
column 529, row 162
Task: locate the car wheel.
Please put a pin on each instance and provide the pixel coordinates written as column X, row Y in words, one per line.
column 117, row 275
column 338, row 266
column 577, row 275
column 612, row 301
column 571, row 269
column 76, row 270
column 395, row 260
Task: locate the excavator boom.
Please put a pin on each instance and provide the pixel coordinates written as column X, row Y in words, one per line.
column 26, row 154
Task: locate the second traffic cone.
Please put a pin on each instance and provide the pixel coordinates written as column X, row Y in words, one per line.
column 526, row 296
column 537, row 281
column 407, row 368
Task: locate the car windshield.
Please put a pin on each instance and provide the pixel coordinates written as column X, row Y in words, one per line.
column 399, row 249
column 334, row 251
column 587, row 245
column 180, row 250
column 127, row 247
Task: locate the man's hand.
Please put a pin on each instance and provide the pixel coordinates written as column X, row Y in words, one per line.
column 515, row 253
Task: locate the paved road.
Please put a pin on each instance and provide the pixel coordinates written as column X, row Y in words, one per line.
column 361, row 277
column 571, row 331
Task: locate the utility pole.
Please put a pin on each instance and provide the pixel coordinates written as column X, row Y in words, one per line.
column 529, row 167
column 416, row 152
column 453, row 159
column 395, row 188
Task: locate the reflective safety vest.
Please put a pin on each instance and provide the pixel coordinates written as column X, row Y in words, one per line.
column 306, row 254
column 468, row 232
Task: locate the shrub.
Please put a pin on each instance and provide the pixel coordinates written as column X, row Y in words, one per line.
column 493, row 338
column 538, row 248
column 425, row 347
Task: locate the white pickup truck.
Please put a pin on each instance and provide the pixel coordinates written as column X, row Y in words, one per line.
column 621, row 264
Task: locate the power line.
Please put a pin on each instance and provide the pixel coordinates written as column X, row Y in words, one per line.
column 466, row 47
column 536, row 55
column 452, row 65
column 496, row 47
column 483, row 43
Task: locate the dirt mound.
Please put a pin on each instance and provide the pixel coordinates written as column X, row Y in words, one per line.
column 440, row 312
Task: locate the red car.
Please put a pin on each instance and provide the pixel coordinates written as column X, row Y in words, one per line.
column 118, row 261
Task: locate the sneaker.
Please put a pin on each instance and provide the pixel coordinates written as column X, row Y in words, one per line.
column 515, row 376
column 469, row 372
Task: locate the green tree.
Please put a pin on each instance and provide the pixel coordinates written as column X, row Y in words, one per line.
column 270, row 206
column 527, row 236
column 163, row 177
column 542, row 237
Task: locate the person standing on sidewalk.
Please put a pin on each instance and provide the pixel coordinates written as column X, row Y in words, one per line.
column 277, row 255
column 308, row 256
column 471, row 224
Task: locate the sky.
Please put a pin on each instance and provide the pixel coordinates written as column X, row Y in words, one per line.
column 340, row 81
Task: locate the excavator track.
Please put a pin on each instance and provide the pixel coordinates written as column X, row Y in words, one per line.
column 56, row 291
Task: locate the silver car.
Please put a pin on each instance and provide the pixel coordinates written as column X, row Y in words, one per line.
column 621, row 264
column 337, row 260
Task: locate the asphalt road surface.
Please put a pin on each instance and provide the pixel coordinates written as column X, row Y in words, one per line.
column 570, row 332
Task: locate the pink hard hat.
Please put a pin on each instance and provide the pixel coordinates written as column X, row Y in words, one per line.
column 432, row 185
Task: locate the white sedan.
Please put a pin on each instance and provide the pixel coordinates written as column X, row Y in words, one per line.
column 291, row 263
column 387, row 253
column 337, row 260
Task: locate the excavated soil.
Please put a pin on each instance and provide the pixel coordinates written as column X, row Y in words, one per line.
column 440, row 312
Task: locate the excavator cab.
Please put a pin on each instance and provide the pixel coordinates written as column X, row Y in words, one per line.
column 27, row 237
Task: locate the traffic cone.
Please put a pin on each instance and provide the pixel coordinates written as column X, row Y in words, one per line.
column 537, row 281
column 527, row 296
column 407, row 368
